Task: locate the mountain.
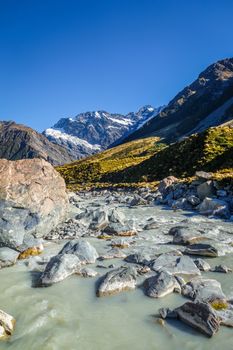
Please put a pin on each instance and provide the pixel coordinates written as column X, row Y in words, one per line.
column 91, row 132
column 207, row 102
column 149, row 160
column 19, row 142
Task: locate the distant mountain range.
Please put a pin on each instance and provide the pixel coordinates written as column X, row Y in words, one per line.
column 92, row 132
column 207, row 102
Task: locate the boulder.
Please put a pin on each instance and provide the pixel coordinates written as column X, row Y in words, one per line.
column 161, row 284
column 86, row 253
column 203, row 290
column 201, row 264
column 217, row 207
column 176, row 265
column 206, row 189
column 121, row 230
column 58, row 268
column 7, row 324
column 193, row 200
column 185, row 235
column 116, row 281
column 8, row 256
column 202, row 249
column 33, row 200
column 166, row 183
column 199, row 316
column 138, row 258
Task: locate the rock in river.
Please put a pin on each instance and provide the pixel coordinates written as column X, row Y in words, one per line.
column 86, row 253
column 116, row 281
column 202, row 249
column 200, row 316
column 8, row 256
column 33, row 200
column 162, row 284
column 7, row 324
column 58, row 268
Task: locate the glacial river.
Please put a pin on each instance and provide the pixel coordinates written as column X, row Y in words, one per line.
column 69, row 316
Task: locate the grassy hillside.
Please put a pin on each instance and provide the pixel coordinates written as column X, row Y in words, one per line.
column 94, row 169
column 147, row 160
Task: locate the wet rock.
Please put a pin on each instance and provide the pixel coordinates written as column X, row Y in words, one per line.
column 138, row 200
column 199, row 316
column 58, row 268
column 116, row 281
column 99, row 219
column 167, row 313
column 221, row 268
column 181, row 203
column 176, row 265
column 204, row 290
column 226, row 316
column 7, row 325
column 185, row 235
column 120, row 230
column 33, row 200
column 202, row 249
column 217, row 207
column 202, row 265
column 120, row 243
column 160, row 285
column 8, row 256
column 87, row 272
column 86, row 253
column 138, row 258
column 193, row 200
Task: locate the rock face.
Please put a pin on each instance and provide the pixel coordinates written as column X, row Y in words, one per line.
column 198, row 106
column 116, row 281
column 33, row 200
column 21, row 142
column 199, row 316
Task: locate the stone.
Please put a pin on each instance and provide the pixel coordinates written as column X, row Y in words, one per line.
column 7, row 325
column 204, row 290
column 116, row 281
column 113, row 253
column 115, row 216
column 193, row 200
column 185, row 235
column 138, row 258
column 221, row 268
column 86, row 253
column 166, row 183
column 58, row 268
column 151, row 225
column 120, row 243
column 33, row 200
column 8, row 256
column 212, row 206
column 203, row 175
column 206, row 189
column 176, row 265
column 138, row 200
column 99, row 220
column 199, row 316
column 221, row 193
column 202, row 249
column 181, row 203
column 201, row 264
column 119, row 230
column 161, row 284
column 87, row 272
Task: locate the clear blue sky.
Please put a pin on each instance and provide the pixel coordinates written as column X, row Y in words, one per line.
column 62, row 57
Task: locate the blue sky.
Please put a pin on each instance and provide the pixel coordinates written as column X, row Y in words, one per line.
column 62, row 57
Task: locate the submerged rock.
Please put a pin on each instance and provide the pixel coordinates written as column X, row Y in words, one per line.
column 86, row 253
column 7, row 324
column 116, row 281
column 162, row 284
column 58, row 268
column 199, row 316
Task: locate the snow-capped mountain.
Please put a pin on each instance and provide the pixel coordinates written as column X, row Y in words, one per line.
column 91, row 132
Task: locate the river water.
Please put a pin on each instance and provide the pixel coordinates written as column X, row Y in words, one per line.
column 69, row 316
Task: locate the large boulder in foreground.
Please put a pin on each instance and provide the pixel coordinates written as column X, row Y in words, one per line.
column 33, row 200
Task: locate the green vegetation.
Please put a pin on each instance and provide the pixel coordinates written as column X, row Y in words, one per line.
column 147, row 161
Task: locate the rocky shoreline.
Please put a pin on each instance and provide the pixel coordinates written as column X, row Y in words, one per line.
column 145, row 251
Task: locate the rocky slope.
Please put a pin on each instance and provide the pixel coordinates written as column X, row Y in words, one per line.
column 91, row 132
column 20, row 142
column 207, row 102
